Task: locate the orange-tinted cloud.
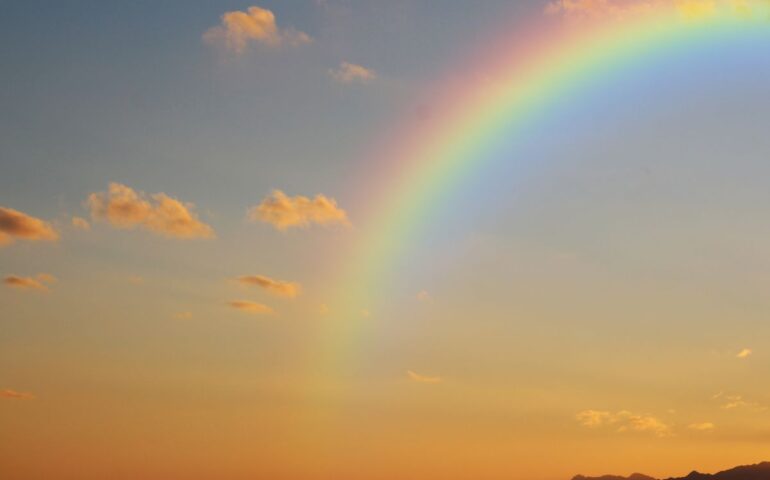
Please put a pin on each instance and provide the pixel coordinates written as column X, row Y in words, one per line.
column 416, row 377
column 256, row 25
column 424, row 296
column 81, row 223
column 14, row 395
column 18, row 225
column 183, row 316
column 126, row 208
column 745, row 353
column 624, row 421
column 29, row 283
column 348, row 73
column 702, row 427
column 276, row 287
column 284, row 212
column 253, row 308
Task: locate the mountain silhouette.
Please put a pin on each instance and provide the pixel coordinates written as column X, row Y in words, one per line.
column 760, row 471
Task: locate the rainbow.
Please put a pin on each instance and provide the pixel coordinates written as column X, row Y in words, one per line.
column 522, row 78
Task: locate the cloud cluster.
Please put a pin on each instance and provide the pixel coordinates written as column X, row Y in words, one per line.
column 18, row 225
column 14, row 395
column 624, row 421
column 348, row 73
column 416, row 377
column 238, row 30
column 126, row 208
column 284, row 212
column 253, row 308
column 279, row 288
column 29, row 283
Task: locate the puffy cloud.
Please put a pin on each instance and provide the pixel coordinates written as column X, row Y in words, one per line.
column 624, row 421
column 238, row 30
column 276, row 287
column 416, row 377
column 14, row 395
column 284, row 212
column 702, row 427
column 745, row 353
column 18, row 225
column 29, row 283
column 126, row 208
column 81, row 223
column 348, row 73
column 253, row 308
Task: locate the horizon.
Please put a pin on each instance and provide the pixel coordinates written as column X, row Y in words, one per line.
column 337, row 239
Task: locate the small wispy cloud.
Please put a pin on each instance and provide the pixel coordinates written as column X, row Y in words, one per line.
column 125, row 208
column 14, row 395
column 182, row 316
column 238, row 29
column 280, row 288
column 348, row 73
column 284, row 212
column 323, row 309
column 250, row 307
column 624, row 421
column 416, row 377
column 135, row 280
column 40, row 282
column 702, row 427
column 80, row 223
column 16, row 225
column 745, row 353
column 732, row 402
column 424, row 296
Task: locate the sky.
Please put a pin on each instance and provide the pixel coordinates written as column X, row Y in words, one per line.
column 186, row 188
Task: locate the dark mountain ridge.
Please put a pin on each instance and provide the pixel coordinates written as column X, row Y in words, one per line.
column 759, row 471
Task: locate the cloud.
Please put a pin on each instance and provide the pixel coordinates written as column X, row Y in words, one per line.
column 182, row 316
column 416, row 377
column 745, row 353
column 624, row 421
column 14, row 395
column 276, row 287
column 81, row 223
column 253, row 308
column 424, row 296
column 29, row 283
column 135, row 280
column 284, row 212
column 737, row 401
column 323, row 309
column 348, row 73
column 18, row 225
column 702, row 427
column 126, row 208
column 238, row 30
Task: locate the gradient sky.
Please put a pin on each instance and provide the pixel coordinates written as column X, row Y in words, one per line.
column 599, row 303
